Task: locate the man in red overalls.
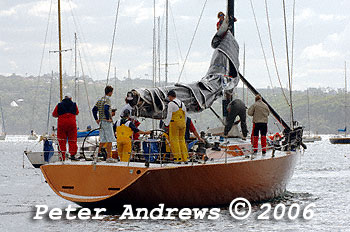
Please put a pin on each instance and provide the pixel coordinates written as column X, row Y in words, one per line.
column 66, row 112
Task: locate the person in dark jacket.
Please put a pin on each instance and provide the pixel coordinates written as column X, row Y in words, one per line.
column 236, row 108
column 66, row 112
column 191, row 128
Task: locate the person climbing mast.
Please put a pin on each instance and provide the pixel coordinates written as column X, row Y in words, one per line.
column 221, row 17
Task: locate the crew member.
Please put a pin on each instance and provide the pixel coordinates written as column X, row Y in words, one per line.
column 125, row 129
column 66, row 112
column 260, row 112
column 176, row 122
column 104, row 120
column 236, row 108
column 129, row 106
column 191, row 128
column 221, row 17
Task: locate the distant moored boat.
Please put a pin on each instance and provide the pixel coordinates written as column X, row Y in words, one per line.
column 342, row 139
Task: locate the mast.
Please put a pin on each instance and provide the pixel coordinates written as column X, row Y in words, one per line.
column 243, row 70
column 345, row 98
column 227, row 97
column 49, row 107
column 75, row 66
column 2, row 118
column 166, row 40
column 115, row 83
column 308, row 110
column 159, row 50
column 231, row 15
column 154, row 62
column 60, row 47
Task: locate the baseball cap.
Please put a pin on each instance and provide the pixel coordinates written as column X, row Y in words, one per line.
column 129, row 96
column 68, row 95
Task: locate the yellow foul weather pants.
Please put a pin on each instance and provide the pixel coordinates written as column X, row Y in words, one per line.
column 177, row 131
column 124, row 150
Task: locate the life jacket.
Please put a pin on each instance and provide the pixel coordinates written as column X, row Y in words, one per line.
column 124, row 132
column 101, row 107
column 178, row 116
column 67, row 106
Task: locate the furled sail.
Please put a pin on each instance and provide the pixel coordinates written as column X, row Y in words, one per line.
column 152, row 102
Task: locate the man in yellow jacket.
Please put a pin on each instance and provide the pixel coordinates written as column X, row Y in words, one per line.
column 176, row 121
column 124, row 131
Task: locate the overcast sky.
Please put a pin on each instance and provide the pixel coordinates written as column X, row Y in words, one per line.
column 322, row 32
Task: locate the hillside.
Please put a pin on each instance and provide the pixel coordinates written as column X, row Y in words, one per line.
column 326, row 105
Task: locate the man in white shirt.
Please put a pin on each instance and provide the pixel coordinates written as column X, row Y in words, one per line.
column 176, row 121
column 128, row 100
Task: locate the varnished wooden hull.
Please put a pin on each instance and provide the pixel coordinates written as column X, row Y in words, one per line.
column 112, row 186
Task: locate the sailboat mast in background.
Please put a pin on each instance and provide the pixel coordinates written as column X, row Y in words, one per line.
column 166, row 40
column 308, row 111
column 3, row 130
column 75, row 67
column 345, row 139
column 60, row 47
column 345, row 102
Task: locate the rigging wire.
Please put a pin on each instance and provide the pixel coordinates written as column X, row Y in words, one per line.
column 113, row 40
column 86, row 57
column 49, row 107
column 261, row 43
column 288, row 65
column 273, row 52
column 175, row 32
column 194, row 35
column 40, row 67
column 293, row 40
column 68, row 62
column 161, row 30
column 86, row 90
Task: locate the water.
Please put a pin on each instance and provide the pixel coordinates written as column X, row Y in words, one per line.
column 322, row 177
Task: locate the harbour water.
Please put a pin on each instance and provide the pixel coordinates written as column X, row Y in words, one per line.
column 322, row 176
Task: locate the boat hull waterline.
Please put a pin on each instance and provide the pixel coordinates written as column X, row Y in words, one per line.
column 339, row 140
column 111, row 185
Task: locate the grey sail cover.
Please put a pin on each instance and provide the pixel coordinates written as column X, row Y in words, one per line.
column 152, row 102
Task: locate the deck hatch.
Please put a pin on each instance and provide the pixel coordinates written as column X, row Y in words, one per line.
column 117, row 189
column 67, row 187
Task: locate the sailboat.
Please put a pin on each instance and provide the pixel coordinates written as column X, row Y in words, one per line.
column 343, row 139
column 310, row 138
column 200, row 183
column 86, row 139
column 2, row 125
